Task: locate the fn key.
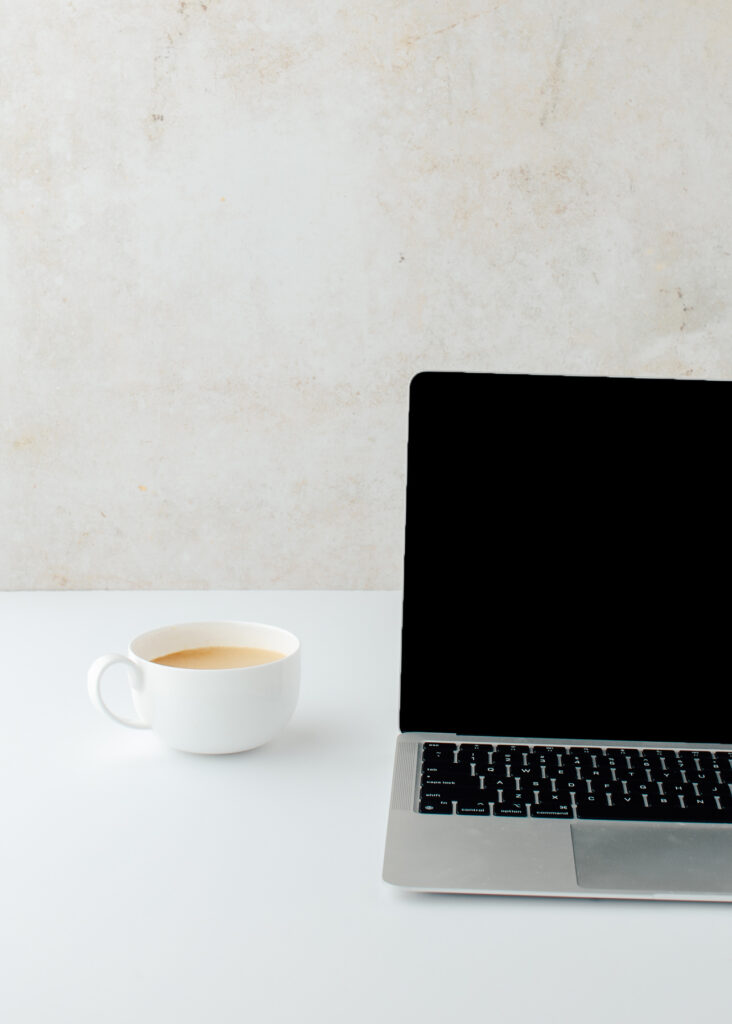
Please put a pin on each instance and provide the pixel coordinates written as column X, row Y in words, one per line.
column 435, row 806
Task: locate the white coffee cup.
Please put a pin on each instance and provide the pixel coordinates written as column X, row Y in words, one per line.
column 207, row 711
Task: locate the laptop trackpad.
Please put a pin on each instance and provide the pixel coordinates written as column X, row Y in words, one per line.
column 657, row 858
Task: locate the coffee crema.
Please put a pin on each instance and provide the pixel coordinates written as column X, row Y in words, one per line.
column 218, row 657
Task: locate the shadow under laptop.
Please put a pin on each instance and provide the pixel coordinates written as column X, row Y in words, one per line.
column 570, row 904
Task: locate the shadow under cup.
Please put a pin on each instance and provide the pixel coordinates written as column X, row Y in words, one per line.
column 216, row 711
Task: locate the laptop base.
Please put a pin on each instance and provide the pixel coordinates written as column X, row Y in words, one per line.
column 506, row 856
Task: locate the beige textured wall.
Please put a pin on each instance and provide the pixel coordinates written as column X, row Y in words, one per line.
column 231, row 231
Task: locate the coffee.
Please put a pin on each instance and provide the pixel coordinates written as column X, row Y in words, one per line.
column 218, row 657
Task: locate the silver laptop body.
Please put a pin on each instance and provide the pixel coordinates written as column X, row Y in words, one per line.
column 601, row 670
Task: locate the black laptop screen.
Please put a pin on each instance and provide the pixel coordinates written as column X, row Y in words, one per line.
column 568, row 558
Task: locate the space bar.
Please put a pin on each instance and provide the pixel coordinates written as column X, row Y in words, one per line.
column 633, row 811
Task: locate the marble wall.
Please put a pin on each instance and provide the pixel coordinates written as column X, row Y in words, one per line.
column 233, row 230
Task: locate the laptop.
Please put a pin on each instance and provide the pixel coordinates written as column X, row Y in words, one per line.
column 565, row 717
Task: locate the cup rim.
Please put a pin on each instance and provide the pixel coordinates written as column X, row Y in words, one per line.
column 150, row 633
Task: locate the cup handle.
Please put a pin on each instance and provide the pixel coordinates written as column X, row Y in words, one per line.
column 94, row 679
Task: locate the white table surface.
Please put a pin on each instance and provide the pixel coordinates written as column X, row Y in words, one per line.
column 143, row 885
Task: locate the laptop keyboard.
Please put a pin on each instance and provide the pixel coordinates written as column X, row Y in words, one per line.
column 606, row 783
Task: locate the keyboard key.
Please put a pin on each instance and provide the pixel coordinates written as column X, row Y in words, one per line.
column 509, row 810
column 473, row 754
column 453, row 772
column 665, row 775
column 567, row 786
column 472, row 807
column 686, row 760
column 633, row 772
column 431, row 793
column 542, row 761
column 457, row 792
column 513, row 761
column 552, row 809
column 494, row 771
column 435, row 807
column 437, row 757
column 703, row 756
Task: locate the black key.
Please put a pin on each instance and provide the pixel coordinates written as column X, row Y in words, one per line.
column 610, row 762
column 722, row 793
column 472, row 807
column 435, row 793
column 584, row 770
column 665, row 775
column 512, row 748
column 447, row 771
column 470, row 753
column 567, row 786
column 437, row 757
column 435, row 807
column 539, row 761
column 445, row 747
column 704, row 803
column 606, row 786
column 630, row 773
column 672, row 787
column 493, row 771
column 552, row 809
column 652, row 758
column 642, row 786
column 513, row 809
column 670, row 804
column 686, row 759
column 512, row 761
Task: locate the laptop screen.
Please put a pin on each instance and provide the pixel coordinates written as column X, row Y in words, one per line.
column 568, row 562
